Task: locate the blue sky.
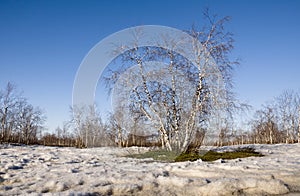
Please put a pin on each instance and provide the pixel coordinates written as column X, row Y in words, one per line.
column 42, row 43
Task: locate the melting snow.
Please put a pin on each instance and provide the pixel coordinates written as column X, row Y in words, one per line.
column 33, row 170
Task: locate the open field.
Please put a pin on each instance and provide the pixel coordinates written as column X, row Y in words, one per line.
column 105, row 171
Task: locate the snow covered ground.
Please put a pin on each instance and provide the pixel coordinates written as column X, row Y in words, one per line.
column 34, row 170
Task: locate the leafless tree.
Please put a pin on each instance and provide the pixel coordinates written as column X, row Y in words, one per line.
column 116, row 121
column 8, row 101
column 265, row 126
column 89, row 128
column 66, row 136
column 31, row 121
column 179, row 97
column 77, row 122
column 58, row 131
column 20, row 121
column 288, row 105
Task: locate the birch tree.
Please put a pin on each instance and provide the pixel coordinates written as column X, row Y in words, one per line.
column 88, row 127
column 288, row 106
column 265, row 126
column 177, row 96
column 58, row 132
column 116, row 121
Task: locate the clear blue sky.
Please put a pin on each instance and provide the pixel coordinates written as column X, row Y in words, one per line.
column 43, row 42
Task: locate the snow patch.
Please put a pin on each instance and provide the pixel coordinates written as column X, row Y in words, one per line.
column 37, row 170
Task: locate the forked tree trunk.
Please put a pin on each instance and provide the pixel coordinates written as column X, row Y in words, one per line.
column 166, row 139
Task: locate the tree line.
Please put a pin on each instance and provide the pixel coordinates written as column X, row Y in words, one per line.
column 279, row 120
column 22, row 123
column 276, row 122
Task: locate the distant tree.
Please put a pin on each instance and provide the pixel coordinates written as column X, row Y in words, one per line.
column 115, row 122
column 20, row 121
column 77, row 122
column 288, row 108
column 88, row 127
column 9, row 101
column 30, row 123
column 58, row 132
column 66, row 136
column 265, row 126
